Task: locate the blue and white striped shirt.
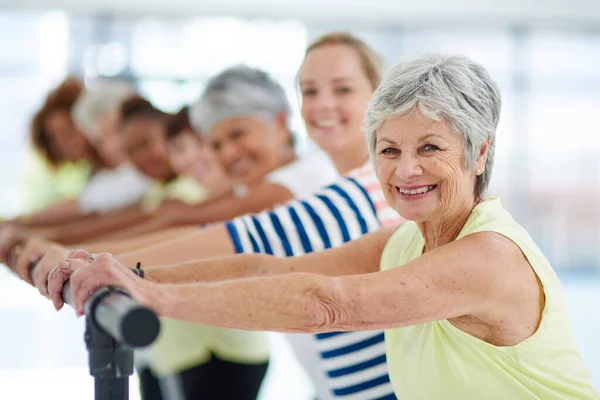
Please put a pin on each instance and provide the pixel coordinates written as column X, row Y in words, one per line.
column 351, row 365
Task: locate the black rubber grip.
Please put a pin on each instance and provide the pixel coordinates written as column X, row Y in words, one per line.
column 119, row 315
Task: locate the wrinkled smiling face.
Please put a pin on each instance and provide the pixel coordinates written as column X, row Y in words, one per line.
column 249, row 147
column 420, row 164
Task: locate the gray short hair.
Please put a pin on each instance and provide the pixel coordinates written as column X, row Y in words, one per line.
column 452, row 88
column 97, row 102
column 238, row 91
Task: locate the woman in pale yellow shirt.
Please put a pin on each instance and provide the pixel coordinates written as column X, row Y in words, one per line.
column 471, row 307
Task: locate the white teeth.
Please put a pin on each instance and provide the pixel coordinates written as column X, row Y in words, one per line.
column 326, row 123
column 420, row 190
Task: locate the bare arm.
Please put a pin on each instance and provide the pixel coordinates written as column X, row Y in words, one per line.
column 472, row 276
column 59, row 213
column 466, row 277
column 96, row 226
column 260, row 197
column 136, row 243
column 213, row 241
column 352, row 258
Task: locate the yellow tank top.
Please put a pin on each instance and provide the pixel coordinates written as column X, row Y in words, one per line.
column 182, row 188
column 183, row 345
column 436, row 360
column 44, row 186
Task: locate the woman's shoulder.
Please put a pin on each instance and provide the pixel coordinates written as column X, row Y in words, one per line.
column 491, row 217
column 307, row 164
column 305, row 175
column 405, row 244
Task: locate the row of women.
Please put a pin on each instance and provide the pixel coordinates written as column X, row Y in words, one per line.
column 380, row 256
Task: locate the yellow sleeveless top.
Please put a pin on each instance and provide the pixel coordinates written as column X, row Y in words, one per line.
column 182, row 345
column 44, row 186
column 182, row 188
column 436, row 360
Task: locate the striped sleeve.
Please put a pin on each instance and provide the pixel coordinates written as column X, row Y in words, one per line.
column 333, row 216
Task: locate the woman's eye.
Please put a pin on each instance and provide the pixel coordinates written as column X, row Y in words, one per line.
column 236, row 134
column 389, row 151
column 343, row 90
column 144, row 143
column 309, row 92
column 430, row 147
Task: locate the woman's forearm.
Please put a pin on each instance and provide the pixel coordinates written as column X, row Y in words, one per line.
column 136, row 243
column 293, row 303
column 98, row 226
column 241, row 266
column 159, row 222
column 354, row 258
column 59, row 213
column 213, row 241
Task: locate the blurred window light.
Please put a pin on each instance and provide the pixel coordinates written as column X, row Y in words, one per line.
column 53, row 47
column 33, row 57
column 490, row 47
column 108, row 59
column 168, row 95
column 202, row 47
column 568, row 54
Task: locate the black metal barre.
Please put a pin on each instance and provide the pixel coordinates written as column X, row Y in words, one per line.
column 115, row 324
column 123, row 318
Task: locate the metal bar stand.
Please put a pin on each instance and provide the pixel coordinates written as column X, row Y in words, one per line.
column 115, row 324
column 110, row 363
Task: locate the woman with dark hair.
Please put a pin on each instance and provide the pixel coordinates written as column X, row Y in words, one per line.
column 63, row 159
column 53, row 131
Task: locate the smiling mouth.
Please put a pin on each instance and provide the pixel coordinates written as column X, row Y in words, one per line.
column 328, row 123
column 414, row 192
column 240, row 168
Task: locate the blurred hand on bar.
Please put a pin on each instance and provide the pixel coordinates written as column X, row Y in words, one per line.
column 11, row 240
column 44, row 255
column 86, row 274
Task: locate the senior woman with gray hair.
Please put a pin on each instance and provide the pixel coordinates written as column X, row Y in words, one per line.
column 471, row 307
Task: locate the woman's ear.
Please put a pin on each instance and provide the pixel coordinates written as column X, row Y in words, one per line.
column 281, row 121
column 482, row 157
